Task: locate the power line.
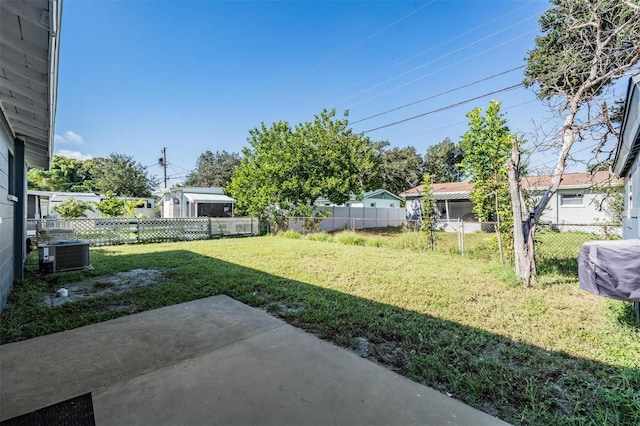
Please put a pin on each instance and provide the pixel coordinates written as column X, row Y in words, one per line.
column 438, row 94
column 441, row 69
column 371, row 36
column 460, row 122
column 180, row 167
column 438, row 59
column 433, row 48
column 444, row 108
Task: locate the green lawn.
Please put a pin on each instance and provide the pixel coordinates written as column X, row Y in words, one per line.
column 551, row 354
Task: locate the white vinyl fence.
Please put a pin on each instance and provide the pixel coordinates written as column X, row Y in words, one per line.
column 354, row 218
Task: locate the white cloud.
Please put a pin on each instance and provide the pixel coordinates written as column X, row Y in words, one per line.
column 69, row 137
column 76, row 155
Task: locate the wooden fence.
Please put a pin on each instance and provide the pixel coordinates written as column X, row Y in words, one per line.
column 112, row 231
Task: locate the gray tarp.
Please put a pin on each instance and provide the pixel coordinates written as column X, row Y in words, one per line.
column 611, row 269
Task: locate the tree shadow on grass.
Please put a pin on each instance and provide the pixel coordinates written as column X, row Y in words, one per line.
column 555, row 265
column 519, row 383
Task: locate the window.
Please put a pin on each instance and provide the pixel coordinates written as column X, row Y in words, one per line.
column 571, row 199
column 372, row 204
column 392, row 205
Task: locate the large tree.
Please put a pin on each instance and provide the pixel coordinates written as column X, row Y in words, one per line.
column 65, row 175
column 487, row 146
column 442, row 162
column 213, row 169
column 286, row 169
column 584, row 47
column 399, row 169
column 123, row 176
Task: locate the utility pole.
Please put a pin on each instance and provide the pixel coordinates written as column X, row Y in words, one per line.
column 163, row 162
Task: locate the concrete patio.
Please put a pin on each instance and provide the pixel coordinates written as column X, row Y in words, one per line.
column 215, row 361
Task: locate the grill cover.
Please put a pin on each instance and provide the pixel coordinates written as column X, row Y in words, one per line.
column 611, row 269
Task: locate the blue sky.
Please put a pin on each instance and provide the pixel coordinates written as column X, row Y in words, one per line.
column 191, row 76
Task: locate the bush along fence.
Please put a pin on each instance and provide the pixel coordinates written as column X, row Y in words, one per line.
column 474, row 237
column 112, row 231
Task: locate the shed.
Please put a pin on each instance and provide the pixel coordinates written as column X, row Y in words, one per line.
column 196, row 202
column 380, row 198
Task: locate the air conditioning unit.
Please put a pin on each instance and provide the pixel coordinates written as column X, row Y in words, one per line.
column 65, row 255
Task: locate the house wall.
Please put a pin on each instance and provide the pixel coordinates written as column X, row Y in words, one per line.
column 567, row 207
column 631, row 215
column 175, row 205
column 185, row 208
column 381, row 201
column 169, row 209
column 7, row 214
column 147, row 208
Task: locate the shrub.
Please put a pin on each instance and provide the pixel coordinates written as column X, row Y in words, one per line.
column 320, row 236
column 351, row 239
column 290, row 234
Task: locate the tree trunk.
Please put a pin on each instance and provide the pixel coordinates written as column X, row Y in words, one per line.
column 524, row 222
column 497, row 225
column 523, row 225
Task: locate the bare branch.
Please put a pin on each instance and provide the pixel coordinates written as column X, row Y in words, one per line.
column 632, row 5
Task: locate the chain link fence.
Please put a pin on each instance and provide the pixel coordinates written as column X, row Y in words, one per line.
column 331, row 224
column 112, row 231
column 553, row 241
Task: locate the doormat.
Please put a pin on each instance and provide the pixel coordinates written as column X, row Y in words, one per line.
column 76, row 411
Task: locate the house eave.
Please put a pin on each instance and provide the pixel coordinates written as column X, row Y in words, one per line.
column 30, row 51
column 629, row 140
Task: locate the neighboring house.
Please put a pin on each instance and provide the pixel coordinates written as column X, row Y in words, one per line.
column 380, row 198
column 579, row 198
column 29, row 43
column 577, row 201
column 627, row 161
column 195, row 202
column 41, row 204
column 57, row 198
column 453, row 201
column 145, row 207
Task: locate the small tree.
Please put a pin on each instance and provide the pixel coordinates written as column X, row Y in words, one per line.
column 112, row 206
column 72, row 209
column 487, row 146
column 130, row 207
column 428, row 211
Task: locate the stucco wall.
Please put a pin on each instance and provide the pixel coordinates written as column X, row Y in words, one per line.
column 7, row 208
